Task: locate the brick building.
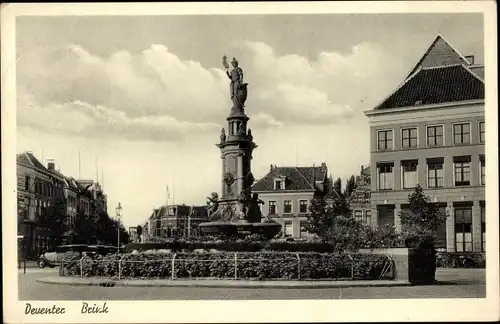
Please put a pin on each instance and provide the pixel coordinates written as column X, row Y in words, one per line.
column 287, row 193
column 176, row 220
column 431, row 131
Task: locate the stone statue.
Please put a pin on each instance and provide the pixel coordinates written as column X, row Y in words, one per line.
column 250, row 136
column 222, row 135
column 250, row 179
column 241, row 130
column 212, row 203
column 254, row 215
column 237, row 87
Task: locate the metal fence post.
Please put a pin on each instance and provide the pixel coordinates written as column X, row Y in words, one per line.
column 235, row 265
column 120, row 268
column 352, row 266
column 24, row 266
column 298, row 266
column 173, row 266
column 81, row 265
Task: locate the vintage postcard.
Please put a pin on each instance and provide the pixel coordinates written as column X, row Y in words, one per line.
column 250, row 162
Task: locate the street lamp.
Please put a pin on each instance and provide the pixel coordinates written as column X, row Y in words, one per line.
column 118, row 211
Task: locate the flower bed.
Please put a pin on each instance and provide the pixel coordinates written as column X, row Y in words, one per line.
column 249, row 266
column 461, row 260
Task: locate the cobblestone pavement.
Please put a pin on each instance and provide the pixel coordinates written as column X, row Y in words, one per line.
column 454, row 283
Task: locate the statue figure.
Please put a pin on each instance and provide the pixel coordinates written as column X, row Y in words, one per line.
column 250, row 179
column 237, row 87
column 222, row 135
column 212, row 203
column 241, row 130
column 250, row 136
column 254, row 215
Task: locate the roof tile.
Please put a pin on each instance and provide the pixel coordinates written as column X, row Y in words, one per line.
column 436, row 85
column 297, row 178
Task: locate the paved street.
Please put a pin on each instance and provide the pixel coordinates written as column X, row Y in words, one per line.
column 455, row 283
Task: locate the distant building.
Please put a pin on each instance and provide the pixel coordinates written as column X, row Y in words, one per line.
column 359, row 200
column 431, row 130
column 175, row 221
column 287, row 193
column 132, row 232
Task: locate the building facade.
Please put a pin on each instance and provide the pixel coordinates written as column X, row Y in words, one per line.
column 360, row 198
column 431, row 131
column 39, row 187
column 287, row 193
column 175, row 221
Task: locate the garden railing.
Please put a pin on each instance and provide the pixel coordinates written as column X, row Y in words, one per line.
column 176, row 258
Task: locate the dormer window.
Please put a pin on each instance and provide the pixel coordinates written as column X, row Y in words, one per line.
column 279, row 183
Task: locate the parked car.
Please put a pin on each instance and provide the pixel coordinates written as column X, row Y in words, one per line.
column 103, row 249
column 54, row 258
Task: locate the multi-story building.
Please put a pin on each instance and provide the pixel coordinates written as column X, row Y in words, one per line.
column 359, row 200
column 431, row 130
column 176, row 220
column 40, row 187
column 287, row 193
column 37, row 189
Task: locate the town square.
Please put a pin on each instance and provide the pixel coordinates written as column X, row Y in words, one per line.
column 251, row 157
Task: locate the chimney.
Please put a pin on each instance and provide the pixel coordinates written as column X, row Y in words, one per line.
column 51, row 165
column 361, row 168
column 470, row 59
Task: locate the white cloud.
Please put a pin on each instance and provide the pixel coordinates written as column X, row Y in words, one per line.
column 156, row 95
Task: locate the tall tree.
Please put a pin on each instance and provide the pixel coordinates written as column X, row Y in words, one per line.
column 337, row 186
column 139, row 232
column 421, row 222
column 84, row 229
column 350, row 186
column 52, row 222
column 318, row 218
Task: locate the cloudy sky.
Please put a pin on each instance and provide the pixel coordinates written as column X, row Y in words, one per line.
column 146, row 96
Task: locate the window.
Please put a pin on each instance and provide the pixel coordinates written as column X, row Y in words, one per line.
column 461, row 133
column 288, row 232
column 462, row 170
column 287, row 207
column 358, row 215
column 385, row 178
column 463, row 229
column 435, row 174
column 272, row 208
column 385, row 140
column 435, row 136
column 302, row 206
column 368, row 216
column 483, row 227
column 409, row 173
column 27, row 183
column 481, row 132
column 482, row 170
column 303, row 229
column 409, row 136
column 279, row 184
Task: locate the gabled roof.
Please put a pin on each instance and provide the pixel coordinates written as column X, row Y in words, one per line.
column 27, row 158
column 297, row 178
column 439, row 53
column 436, row 85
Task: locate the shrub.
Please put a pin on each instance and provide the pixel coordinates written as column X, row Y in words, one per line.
column 460, row 260
column 262, row 265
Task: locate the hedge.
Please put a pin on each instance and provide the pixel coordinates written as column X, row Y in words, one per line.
column 235, row 246
column 221, row 265
column 461, row 260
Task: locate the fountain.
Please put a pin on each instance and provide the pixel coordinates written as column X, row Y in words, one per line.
column 237, row 211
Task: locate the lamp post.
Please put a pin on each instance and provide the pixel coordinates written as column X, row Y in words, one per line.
column 118, row 217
